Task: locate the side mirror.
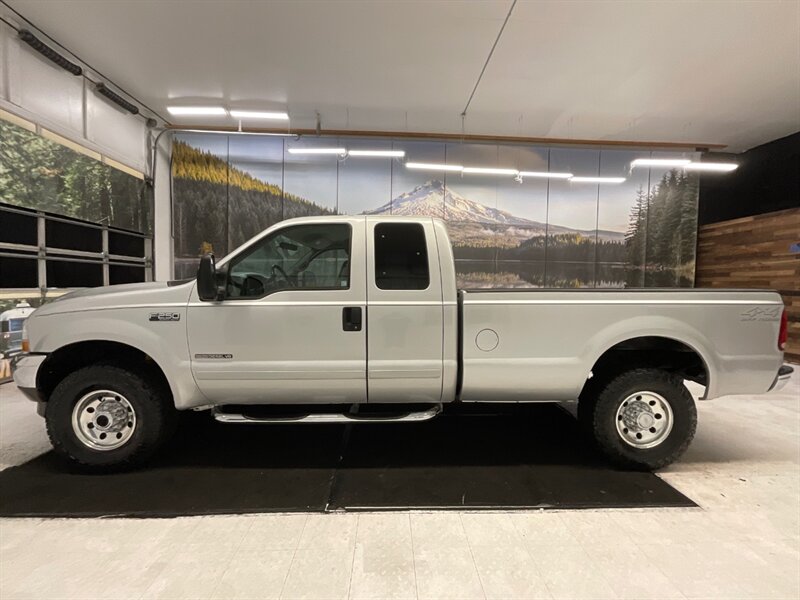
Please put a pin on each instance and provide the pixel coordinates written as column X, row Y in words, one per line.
column 207, row 287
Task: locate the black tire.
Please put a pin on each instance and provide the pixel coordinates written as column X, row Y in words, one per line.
column 155, row 417
column 613, row 393
column 586, row 404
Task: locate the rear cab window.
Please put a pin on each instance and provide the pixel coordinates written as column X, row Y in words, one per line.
column 401, row 257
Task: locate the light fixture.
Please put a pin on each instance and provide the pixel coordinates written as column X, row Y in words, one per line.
column 547, row 174
column 660, row 162
column 258, row 114
column 597, row 179
column 317, row 150
column 197, row 111
column 710, row 166
column 378, row 153
column 489, row 171
column 229, row 132
column 433, row 167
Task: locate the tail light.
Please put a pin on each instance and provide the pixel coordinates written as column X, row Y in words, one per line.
column 783, row 334
column 26, row 346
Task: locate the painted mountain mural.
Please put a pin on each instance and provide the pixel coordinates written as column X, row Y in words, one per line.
column 494, row 248
column 217, row 205
column 433, row 199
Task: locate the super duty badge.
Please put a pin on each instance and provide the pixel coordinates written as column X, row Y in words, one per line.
column 165, row 316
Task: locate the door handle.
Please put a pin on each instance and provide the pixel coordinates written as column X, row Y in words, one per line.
column 351, row 318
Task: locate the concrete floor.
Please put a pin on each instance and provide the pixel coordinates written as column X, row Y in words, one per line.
column 744, row 542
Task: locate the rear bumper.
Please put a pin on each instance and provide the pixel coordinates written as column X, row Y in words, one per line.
column 26, row 369
column 782, row 378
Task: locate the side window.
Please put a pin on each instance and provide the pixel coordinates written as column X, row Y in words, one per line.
column 307, row 257
column 401, row 257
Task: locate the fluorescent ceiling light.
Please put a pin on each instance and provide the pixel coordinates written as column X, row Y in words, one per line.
column 197, row 111
column 257, row 114
column 434, row 167
column 489, row 171
column 317, row 150
column 660, row 162
column 384, row 153
column 597, row 179
column 709, row 166
column 229, row 132
column 545, row 174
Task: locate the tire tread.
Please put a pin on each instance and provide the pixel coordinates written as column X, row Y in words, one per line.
column 682, row 405
column 142, row 384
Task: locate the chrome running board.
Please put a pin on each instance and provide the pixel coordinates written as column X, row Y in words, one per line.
column 412, row 417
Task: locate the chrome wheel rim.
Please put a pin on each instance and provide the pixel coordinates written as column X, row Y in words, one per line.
column 644, row 419
column 103, row 420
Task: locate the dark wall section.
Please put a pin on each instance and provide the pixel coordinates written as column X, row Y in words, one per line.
column 767, row 180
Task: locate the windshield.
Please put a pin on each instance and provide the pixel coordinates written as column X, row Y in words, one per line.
column 15, row 324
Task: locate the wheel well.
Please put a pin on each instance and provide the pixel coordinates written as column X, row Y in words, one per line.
column 72, row 357
column 649, row 351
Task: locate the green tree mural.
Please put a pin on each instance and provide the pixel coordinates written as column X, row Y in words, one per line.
column 38, row 173
column 661, row 235
column 233, row 204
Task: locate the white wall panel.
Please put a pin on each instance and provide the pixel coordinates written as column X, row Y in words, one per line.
column 163, row 243
column 48, row 90
column 40, row 91
column 3, row 68
column 119, row 132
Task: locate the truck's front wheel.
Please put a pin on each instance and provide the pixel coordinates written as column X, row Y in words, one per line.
column 104, row 417
column 644, row 418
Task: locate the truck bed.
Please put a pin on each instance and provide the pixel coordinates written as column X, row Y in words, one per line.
column 540, row 345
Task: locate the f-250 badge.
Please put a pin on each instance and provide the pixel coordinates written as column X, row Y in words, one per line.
column 165, row 316
column 761, row 314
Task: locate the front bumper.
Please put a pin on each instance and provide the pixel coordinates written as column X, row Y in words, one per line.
column 782, row 378
column 26, row 368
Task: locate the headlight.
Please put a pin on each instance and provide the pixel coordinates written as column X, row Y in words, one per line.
column 26, row 346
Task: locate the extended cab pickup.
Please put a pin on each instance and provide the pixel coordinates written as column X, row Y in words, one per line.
column 358, row 319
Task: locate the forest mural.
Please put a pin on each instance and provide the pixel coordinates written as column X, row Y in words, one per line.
column 505, row 233
column 38, row 173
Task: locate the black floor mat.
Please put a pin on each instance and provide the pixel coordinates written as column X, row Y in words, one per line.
column 529, row 456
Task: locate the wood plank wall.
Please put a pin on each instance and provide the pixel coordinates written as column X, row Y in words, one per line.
column 753, row 252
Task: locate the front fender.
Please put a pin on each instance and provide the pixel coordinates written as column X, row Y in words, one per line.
column 163, row 341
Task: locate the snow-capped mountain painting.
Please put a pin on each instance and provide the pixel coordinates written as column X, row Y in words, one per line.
column 504, row 234
column 434, row 199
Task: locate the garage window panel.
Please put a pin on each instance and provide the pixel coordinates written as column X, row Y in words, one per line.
column 69, row 274
column 17, row 228
column 122, row 244
column 118, row 274
column 18, row 272
column 73, row 236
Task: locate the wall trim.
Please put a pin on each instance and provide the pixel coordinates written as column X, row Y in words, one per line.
column 691, row 146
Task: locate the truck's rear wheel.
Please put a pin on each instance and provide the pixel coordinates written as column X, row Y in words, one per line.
column 104, row 417
column 644, row 418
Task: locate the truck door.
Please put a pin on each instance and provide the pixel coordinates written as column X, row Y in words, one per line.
column 404, row 300
column 291, row 326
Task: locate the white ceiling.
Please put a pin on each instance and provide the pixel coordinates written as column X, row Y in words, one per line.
column 684, row 71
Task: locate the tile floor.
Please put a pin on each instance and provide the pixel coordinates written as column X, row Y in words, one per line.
column 744, row 542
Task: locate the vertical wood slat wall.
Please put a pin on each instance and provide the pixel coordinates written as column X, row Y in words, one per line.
column 754, row 252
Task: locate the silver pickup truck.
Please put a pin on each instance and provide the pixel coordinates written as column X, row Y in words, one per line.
column 358, row 319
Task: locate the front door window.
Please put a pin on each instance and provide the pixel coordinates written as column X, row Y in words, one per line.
column 300, row 257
